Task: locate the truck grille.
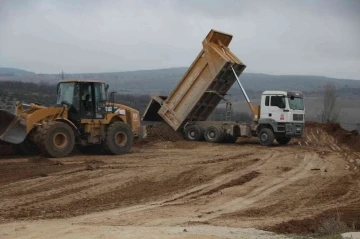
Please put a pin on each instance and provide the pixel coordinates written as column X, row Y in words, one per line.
column 298, row 117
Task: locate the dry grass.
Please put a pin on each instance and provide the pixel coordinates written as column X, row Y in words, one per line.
column 332, row 227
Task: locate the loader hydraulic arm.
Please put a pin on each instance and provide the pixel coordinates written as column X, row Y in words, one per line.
column 254, row 110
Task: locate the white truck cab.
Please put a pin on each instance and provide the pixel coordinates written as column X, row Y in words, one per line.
column 283, row 113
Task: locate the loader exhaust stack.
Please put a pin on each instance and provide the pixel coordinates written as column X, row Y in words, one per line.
column 11, row 129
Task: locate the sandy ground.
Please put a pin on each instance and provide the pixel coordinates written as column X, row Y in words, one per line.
column 182, row 189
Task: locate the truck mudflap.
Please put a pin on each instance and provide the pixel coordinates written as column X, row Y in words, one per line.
column 12, row 130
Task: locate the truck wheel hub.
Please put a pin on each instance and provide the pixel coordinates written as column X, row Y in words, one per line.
column 264, row 137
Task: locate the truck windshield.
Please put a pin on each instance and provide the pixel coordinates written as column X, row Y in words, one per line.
column 65, row 93
column 296, row 103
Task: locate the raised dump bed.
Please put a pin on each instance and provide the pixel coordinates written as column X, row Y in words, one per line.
column 203, row 86
column 280, row 116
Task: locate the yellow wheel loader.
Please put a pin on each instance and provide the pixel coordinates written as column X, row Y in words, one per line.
column 82, row 118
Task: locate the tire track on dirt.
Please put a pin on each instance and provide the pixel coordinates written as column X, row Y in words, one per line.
column 265, row 190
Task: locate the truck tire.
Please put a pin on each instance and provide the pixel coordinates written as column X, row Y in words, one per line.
column 119, row 138
column 57, row 139
column 213, row 134
column 26, row 148
column 266, row 136
column 193, row 133
column 283, row 140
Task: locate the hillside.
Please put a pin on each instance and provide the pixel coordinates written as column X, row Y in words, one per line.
column 4, row 71
column 162, row 81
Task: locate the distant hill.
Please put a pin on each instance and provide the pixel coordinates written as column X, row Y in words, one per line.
column 14, row 72
column 162, row 81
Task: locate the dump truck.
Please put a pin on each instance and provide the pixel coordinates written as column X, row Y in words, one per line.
column 280, row 115
column 83, row 117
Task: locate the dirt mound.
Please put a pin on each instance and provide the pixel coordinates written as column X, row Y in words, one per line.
column 349, row 138
column 346, row 215
column 163, row 132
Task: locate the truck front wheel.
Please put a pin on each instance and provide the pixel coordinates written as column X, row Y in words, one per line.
column 266, row 136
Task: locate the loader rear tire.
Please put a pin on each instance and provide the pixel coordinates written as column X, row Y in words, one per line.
column 214, row 134
column 193, row 133
column 266, row 137
column 57, row 139
column 26, row 148
column 119, row 138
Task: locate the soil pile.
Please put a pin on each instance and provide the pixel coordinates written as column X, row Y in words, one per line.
column 349, row 138
column 163, row 132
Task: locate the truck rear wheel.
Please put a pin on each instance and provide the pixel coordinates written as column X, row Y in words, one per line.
column 119, row 138
column 266, row 137
column 57, row 139
column 213, row 134
column 193, row 133
column 283, row 140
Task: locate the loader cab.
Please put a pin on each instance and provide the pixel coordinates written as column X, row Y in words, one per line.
column 86, row 100
column 282, row 106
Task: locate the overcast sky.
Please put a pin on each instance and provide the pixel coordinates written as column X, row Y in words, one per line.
column 274, row 37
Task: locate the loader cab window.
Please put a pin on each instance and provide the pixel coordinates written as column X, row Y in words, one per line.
column 65, row 93
column 100, row 100
column 86, row 105
column 279, row 101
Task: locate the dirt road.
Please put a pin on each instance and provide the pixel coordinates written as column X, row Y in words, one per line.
column 164, row 187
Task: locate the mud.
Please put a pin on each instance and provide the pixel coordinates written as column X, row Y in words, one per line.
column 169, row 182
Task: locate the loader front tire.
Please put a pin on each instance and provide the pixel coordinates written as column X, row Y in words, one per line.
column 57, row 139
column 26, row 148
column 119, row 138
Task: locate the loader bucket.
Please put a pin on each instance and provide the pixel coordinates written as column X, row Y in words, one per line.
column 11, row 130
